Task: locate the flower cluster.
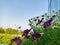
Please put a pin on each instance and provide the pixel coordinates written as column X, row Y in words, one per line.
column 34, row 36
column 42, row 36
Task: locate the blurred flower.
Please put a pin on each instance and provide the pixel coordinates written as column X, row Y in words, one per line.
column 12, row 40
column 39, row 21
column 47, row 23
column 17, row 39
column 35, row 35
column 54, row 27
column 42, row 34
column 25, row 33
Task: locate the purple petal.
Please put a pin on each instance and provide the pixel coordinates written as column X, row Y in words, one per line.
column 47, row 23
column 25, row 35
column 17, row 39
column 26, row 31
column 12, row 40
column 36, row 35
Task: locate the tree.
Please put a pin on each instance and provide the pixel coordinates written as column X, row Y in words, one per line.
column 11, row 31
column 2, row 30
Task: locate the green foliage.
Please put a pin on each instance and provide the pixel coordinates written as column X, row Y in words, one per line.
column 11, row 31
column 50, row 37
column 2, row 30
column 51, row 34
column 26, row 42
column 5, row 38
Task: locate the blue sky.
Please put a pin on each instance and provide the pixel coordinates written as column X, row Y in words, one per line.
column 55, row 5
column 19, row 11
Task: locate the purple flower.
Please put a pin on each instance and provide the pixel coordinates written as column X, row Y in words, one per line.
column 17, row 39
column 47, row 23
column 25, row 33
column 35, row 35
column 12, row 40
column 39, row 21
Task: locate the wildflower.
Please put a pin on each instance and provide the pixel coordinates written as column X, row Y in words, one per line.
column 39, row 21
column 12, row 40
column 17, row 39
column 42, row 34
column 47, row 23
column 35, row 35
column 54, row 27
column 25, row 33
